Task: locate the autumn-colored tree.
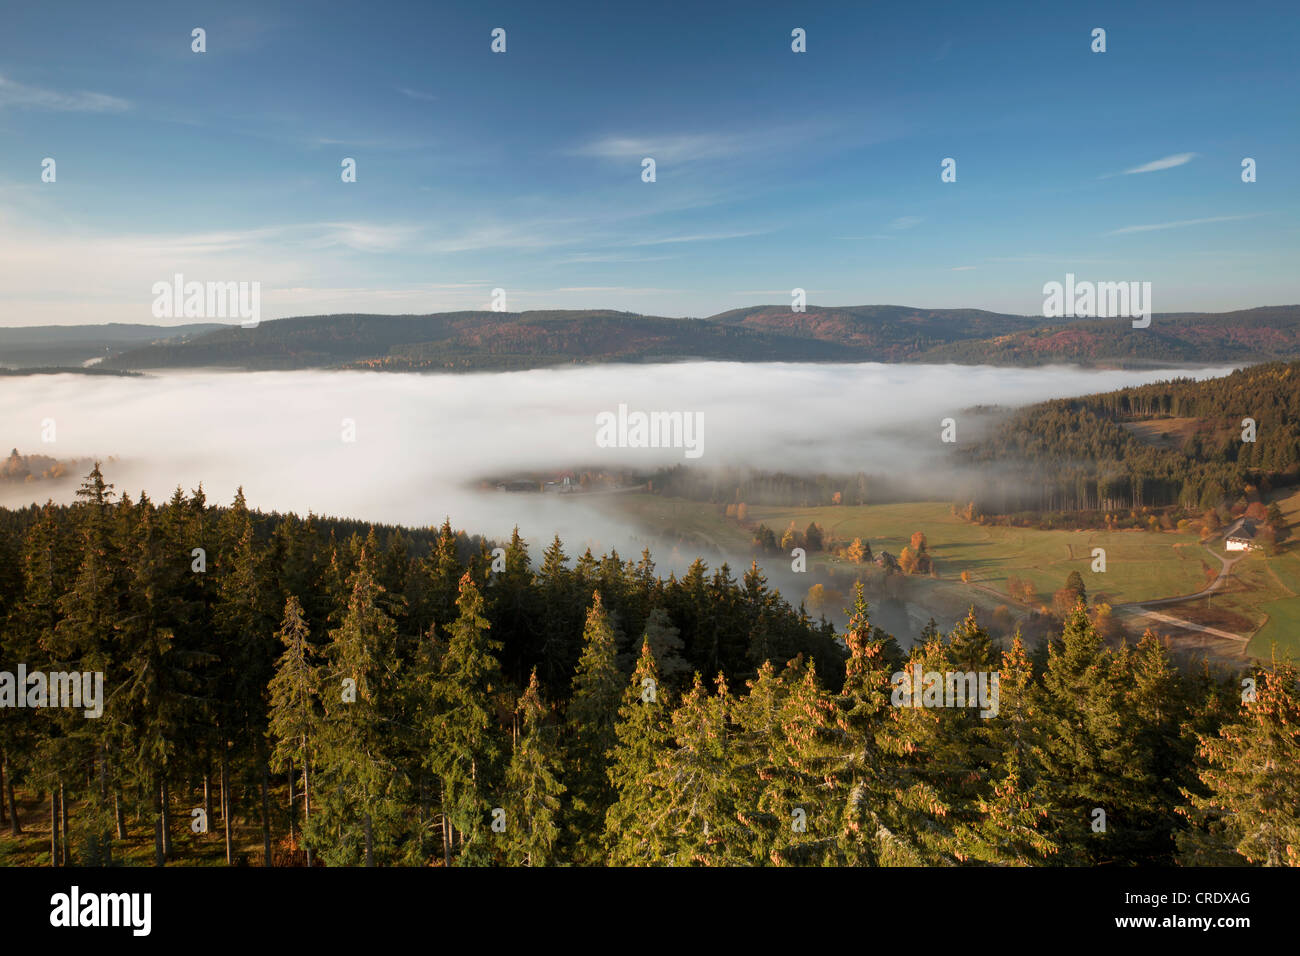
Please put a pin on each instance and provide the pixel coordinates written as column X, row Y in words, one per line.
column 790, row 539
column 1064, row 601
column 816, row 599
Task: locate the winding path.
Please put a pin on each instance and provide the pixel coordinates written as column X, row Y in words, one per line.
column 1143, row 608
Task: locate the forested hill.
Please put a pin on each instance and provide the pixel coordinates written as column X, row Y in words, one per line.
column 38, row 347
column 881, row 333
column 1250, row 335
column 889, row 333
column 1181, row 442
column 481, row 340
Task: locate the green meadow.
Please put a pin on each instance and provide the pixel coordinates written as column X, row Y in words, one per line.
column 1140, row 565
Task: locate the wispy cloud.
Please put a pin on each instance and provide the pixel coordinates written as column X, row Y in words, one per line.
column 780, row 292
column 963, row 268
column 416, row 94
column 615, row 288
column 539, row 234
column 906, row 222
column 35, row 97
column 698, row 237
column 1045, row 258
column 365, row 237
column 1168, row 162
column 666, row 149
column 587, row 258
column 1179, row 224
column 687, row 147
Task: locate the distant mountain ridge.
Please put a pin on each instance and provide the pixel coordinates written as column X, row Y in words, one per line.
column 880, row 333
column 68, row 345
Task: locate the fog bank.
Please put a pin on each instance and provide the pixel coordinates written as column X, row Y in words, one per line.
column 422, row 441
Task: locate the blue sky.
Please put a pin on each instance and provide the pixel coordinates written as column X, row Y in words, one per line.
column 522, row 170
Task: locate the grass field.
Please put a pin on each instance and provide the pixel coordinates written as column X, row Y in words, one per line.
column 1281, row 626
column 1140, row 565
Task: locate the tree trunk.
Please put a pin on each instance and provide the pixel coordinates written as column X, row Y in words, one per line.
column 166, row 816
column 442, row 830
column 446, row 826
column 15, row 828
column 63, row 814
column 159, row 857
column 266, row 815
column 207, row 794
column 105, row 837
column 306, row 803
column 54, row 827
column 226, row 805
column 4, row 804
column 118, row 812
column 293, row 808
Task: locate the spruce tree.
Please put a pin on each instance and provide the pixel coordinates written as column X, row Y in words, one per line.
column 593, row 710
column 667, row 646
column 83, row 641
column 634, row 830
column 533, row 788
column 863, row 764
column 293, row 720
column 1087, row 752
column 1250, row 805
column 360, row 784
column 464, row 748
column 1012, row 826
column 700, row 824
column 1155, row 710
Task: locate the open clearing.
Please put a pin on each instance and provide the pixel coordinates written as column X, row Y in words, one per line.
column 1262, row 593
column 1140, row 565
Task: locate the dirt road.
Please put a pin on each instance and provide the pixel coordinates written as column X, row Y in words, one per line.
column 1144, row 608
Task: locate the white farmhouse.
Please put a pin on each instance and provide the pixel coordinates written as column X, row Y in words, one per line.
column 1241, row 536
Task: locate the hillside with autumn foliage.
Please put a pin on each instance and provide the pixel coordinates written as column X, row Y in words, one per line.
column 877, row 333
